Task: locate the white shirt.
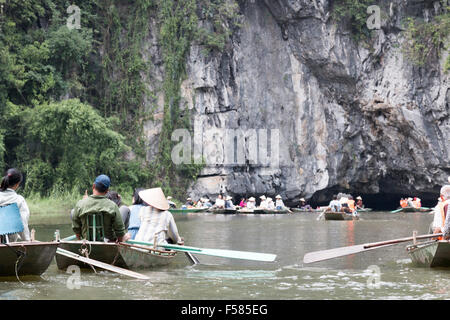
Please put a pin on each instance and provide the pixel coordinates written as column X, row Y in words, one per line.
column 153, row 221
column 263, row 204
column 9, row 196
column 437, row 221
column 220, row 202
column 251, row 205
column 279, row 203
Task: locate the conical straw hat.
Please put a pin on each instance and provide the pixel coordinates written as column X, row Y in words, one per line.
column 154, row 197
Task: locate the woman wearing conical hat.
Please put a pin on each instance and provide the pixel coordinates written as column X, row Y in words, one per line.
column 279, row 204
column 251, row 204
column 156, row 220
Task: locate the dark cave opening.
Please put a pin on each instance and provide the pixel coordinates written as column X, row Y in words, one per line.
column 379, row 201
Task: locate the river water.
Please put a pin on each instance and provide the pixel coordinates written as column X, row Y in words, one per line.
column 289, row 236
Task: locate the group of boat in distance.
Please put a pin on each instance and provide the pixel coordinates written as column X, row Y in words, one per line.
column 34, row 257
column 223, row 205
column 342, row 207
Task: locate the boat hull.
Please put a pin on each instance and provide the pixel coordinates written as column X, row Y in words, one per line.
column 193, row 210
column 412, row 209
column 38, row 257
column 223, row 211
column 302, row 210
column 431, row 254
column 262, row 211
column 114, row 254
column 340, row 216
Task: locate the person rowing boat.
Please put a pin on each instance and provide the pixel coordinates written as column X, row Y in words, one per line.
column 172, row 204
column 8, row 196
column 251, row 204
column 99, row 204
column 157, row 223
column 444, row 210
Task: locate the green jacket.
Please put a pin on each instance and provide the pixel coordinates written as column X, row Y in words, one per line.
column 112, row 220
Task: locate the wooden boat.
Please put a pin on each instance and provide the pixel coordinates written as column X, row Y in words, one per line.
column 412, row 209
column 120, row 255
column 32, row 258
column 330, row 215
column 262, row 211
column 223, row 211
column 275, row 211
column 305, row 210
column 189, row 210
column 430, row 254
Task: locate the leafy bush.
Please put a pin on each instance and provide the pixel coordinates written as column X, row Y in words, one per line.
column 354, row 14
column 66, row 144
column 426, row 40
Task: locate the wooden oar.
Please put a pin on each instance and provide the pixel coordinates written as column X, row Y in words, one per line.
column 343, row 251
column 321, row 215
column 192, row 259
column 102, row 265
column 245, row 255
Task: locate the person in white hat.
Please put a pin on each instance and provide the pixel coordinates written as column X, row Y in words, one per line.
column 410, row 202
column 270, row 204
column 251, row 203
column 229, row 203
column 279, row 205
column 189, row 203
column 200, row 203
column 207, row 203
column 263, row 203
column 443, row 208
column 156, row 221
column 172, row 204
column 359, row 203
column 303, row 205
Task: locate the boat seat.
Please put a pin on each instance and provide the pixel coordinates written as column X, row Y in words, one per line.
column 95, row 230
column 10, row 221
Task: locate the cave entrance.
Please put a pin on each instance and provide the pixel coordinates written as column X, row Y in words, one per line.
column 378, row 201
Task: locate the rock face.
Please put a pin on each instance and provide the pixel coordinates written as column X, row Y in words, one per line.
column 294, row 106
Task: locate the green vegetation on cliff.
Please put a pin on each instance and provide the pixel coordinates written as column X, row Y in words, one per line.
column 61, row 143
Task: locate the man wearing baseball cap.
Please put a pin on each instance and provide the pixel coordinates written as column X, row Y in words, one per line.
column 114, row 229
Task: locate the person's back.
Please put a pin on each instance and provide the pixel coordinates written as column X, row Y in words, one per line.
column 135, row 221
column 351, row 205
column 112, row 220
column 98, row 203
column 220, row 203
column 156, row 220
column 9, row 184
column 123, row 209
column 335, row 204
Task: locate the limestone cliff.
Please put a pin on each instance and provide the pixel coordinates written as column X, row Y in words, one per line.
column 337, row 114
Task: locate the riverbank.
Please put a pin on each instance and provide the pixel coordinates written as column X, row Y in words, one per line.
column 56, row 209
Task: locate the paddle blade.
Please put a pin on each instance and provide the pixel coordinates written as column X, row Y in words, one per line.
column 245, row 255
column 10, row 220
column 102, row 265
column 338, row 252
